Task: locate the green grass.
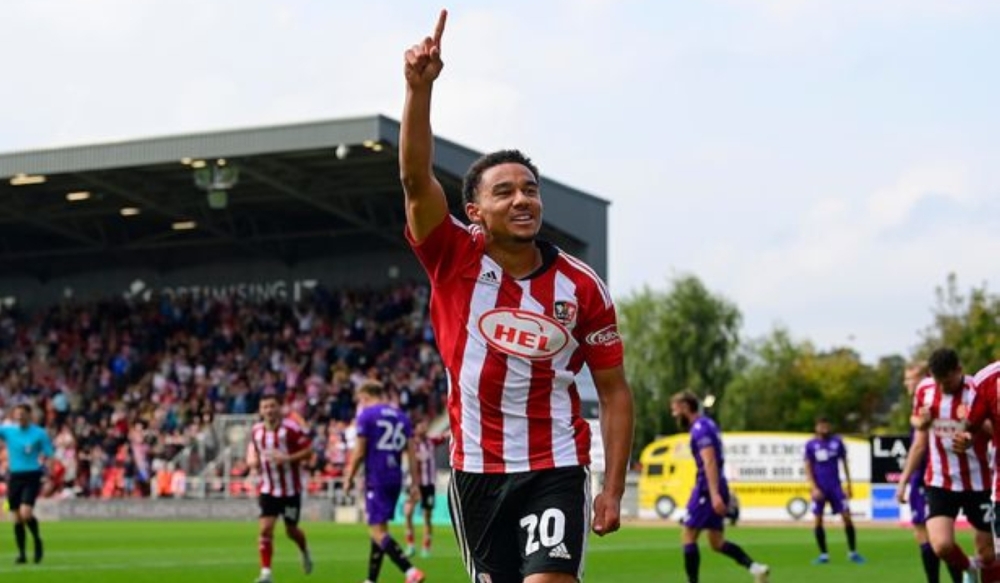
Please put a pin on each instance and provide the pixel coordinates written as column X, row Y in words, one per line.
column 217, row 552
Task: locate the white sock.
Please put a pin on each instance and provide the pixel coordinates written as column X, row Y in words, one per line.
column 411, row 571
column 265, row 571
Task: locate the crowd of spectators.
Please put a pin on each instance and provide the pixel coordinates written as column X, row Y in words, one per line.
column 123, row 385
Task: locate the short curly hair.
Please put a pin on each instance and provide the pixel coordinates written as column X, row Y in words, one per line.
column 475, row 173
column 943, row 362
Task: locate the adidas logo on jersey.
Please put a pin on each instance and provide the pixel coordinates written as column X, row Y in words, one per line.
column 489, row 277
column 560, row 552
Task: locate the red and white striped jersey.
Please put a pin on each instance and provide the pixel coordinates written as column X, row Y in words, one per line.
column 987, row 407
column 285, row 479
column 969, row 471
column 425, row 458
column 512, row 348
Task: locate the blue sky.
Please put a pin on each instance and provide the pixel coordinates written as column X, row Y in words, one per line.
column 823, row 164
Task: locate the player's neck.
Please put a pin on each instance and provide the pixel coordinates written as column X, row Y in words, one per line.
column 518, row 259
column 272, row 425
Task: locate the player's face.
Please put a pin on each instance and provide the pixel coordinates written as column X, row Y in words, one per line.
column 823, row 429
column 951, row 383
column 680, row 413
column 911, row 378
column 20, row 417
column 508, row 203
column 420, row 430
column 269, row 410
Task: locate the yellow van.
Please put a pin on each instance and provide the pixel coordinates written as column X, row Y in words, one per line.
column 668, row 473
column 765, row 471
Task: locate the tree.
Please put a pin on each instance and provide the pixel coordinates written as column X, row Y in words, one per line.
column 784, row 385
column 968, row 323
column 685, row 338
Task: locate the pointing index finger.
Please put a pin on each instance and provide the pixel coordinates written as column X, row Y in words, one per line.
column 439, row 28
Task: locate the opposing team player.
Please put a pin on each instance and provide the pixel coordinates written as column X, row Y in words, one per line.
column 384, row 436
column 515, row 319
column 917, row 496
column 955, row 482
column 277, row 448
column 28, row 448
column 706, row 509
column 824, row 455
column 425, row 446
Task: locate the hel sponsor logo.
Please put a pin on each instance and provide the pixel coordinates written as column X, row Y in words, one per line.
column 564, row 311
column 521, row 333
column 606, row 336
column 947, row 428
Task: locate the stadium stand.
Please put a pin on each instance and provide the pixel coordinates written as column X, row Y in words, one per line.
column 131, row 390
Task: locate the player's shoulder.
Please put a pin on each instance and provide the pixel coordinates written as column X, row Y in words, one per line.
column 583, row 275
column 926, row 384
column 988, row 373
column 704, row 425
column 292, row 424
column 453, row 228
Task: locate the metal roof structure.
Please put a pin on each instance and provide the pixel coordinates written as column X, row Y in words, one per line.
column 300, row 191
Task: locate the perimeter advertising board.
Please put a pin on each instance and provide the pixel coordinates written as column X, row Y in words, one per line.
column 765, row 470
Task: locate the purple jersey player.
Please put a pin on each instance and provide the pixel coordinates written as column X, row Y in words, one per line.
column 917, row 495
column 825, row 454
column 384, row 436
column 710, row 497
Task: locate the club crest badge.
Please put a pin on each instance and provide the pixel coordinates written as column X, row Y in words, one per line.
column 564, row 312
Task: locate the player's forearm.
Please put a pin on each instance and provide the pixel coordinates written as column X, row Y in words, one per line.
column 411, row 460
column 913, row 457
column 712, row 475
column 416, row 141
column 617, row 425
column 810, row 477
column 301, row 455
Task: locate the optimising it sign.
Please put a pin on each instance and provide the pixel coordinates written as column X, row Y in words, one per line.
column 259, row 291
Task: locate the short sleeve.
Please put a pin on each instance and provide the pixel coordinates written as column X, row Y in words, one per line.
column 301, row 438
column 918, row 398
column 701, row 438
column 597, row 331
column 407, row 426
column 364, row 425
column 983, row 402
column 445, row 249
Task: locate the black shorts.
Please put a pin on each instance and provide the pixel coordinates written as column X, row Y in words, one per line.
column 975, row 505
column 510, row 526
column 427, row 494
column 287, row 507
column 23, row 489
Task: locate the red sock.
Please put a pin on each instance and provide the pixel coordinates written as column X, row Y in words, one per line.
column 427, row 541
column 957, row 558
column 409, row 537
column 991, row 572
column 266, row 550
column 299, row 536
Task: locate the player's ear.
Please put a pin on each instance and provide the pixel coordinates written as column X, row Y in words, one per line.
column 472, row 212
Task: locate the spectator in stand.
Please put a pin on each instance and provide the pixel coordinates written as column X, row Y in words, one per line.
column 99, row 370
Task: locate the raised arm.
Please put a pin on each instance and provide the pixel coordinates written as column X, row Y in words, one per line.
column 426, row 205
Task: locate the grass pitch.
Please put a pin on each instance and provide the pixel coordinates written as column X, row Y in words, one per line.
column 217, row 552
